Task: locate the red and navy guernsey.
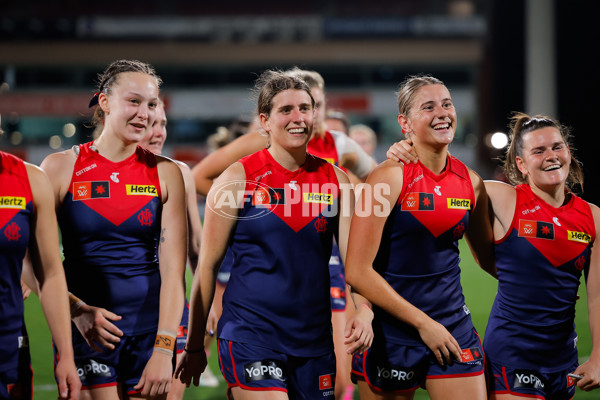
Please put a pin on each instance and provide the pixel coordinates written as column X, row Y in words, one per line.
column 278, row 293
column 110, row 224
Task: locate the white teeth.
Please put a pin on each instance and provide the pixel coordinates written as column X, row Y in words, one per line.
column 442, row 126
column 297, row 130
column 552, row 168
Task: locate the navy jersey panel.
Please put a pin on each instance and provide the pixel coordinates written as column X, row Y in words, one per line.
column 540, row 262
column 110, row 222
column 278, row 293
column 419, row 256
column 16, row 212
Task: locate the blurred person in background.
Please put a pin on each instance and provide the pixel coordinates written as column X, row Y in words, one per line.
column 336, row 120
column 365, row 137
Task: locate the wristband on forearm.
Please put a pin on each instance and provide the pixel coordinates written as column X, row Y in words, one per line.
column 165, row 342
column 75, row 303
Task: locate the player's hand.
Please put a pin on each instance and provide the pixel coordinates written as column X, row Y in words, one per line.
column 211, row 322
column 68, row 380
column 94, row 324
column 402, row 151
column 359, row 331
column 590, row 370
column 25, row 290
column 440, row 342
column 156, row 377
column 190, row 367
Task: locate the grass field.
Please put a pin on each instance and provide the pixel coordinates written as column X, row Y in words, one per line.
column 479, row 290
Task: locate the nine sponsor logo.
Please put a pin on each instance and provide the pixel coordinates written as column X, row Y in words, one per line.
column 12, row 202
column 265, row 369
column 141, row 190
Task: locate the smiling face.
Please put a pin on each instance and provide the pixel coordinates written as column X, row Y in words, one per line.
column 290, row 121
column 432, row 117
column 155, row 140
column 130, row 107
column 545, row 159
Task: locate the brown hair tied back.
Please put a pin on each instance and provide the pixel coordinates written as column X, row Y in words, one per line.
column 520, row 125
column 108, row 78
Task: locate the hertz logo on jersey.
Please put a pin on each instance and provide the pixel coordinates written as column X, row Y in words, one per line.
column 459, row 204
column 581, row 237
column 141, row 190
column 322, row 198
column 12, row 202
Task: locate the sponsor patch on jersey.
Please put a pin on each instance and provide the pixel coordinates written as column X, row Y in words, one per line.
column 581, row 237
column 322, row 198
column 418, row 202
column 91, row 190
column 141, row 190
column 325, row 382
column 536, row 229
column 528, row 379
column 459, row 204
column 17, row 203
column 471, row 355
column 268, row 195
column 261, row 370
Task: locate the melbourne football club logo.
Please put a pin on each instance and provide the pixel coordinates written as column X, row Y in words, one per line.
column 321, row 224
column 145, row 217
column 12, row 232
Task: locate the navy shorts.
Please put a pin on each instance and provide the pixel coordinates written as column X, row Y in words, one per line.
column 390, row 367
column 260, row 369
column 17, row 383
column 123, row 365
column 531, row 383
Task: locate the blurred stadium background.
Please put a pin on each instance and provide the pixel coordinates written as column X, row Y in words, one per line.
column 496, row 56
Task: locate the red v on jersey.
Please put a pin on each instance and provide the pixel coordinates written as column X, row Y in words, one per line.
column 297, row 204
column 116, row 191
column 424, row 192
column 545, row 227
